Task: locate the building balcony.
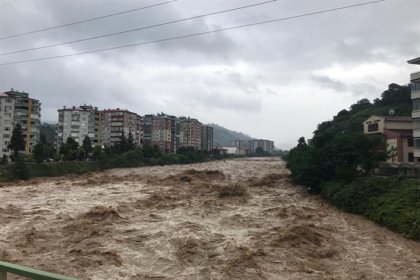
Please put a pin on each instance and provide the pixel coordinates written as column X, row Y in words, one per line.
column 415, row 76
column 415, row 114
column 416, row 133
column 415, row 94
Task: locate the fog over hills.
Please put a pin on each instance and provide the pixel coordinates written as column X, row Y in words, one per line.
column 222, row 135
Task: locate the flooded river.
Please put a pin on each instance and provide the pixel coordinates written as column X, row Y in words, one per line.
column 233, row 219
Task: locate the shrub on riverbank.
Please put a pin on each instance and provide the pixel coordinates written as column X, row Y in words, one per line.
column 105, row 160
column 390, row 202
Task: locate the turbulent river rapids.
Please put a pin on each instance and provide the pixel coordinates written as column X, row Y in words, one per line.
column 232, row 219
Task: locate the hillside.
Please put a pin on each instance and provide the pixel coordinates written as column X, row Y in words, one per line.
column 337, row 162
column 222, row 136
column 396, row 97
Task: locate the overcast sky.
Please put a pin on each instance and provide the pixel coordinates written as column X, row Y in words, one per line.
column 275, row 81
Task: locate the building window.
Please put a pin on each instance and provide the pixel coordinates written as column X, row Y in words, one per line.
column 417, row 143
column 416, row 105
column 410, row 157
column 415, row 86
column 410, row 142
column 373, row 127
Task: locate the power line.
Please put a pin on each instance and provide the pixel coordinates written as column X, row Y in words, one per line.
column 86, row 20
column 195, row 34
column 140, row 28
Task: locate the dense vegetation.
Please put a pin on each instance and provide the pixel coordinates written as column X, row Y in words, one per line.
column 48, row 129
column 388, row 201
column 337, row 162
column 339, row 150
column 72, row 159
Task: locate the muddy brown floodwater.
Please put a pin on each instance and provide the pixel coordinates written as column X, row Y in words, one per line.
column 233, row 219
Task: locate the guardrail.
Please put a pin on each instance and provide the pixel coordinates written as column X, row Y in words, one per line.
column 28, row 272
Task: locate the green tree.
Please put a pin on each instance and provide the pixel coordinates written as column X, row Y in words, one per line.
column 130, row 142
column 43, row 149
column 69, row 150
column 259, row 151
column 3, row 160
column 81, row 153
column 148, row 152
column 341, row 156
column 97, row 152
column 121, row 147
column 38, row 152
column 87, row 145
column 156, row 150
column 17, row 141
column 20, row 170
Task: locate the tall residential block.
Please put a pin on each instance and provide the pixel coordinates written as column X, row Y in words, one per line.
column 266, row 145
column 16, row 107
column 77, row 123
column 113, row 123
column 206, row 138
column 415, row 98
column 190, row 133
column 165, row 132
column 242, row 144
column 147, row 121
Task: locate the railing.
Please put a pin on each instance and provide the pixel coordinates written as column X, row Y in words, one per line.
column 28, row 272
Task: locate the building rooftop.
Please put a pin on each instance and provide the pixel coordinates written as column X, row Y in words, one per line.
column 398, row 118
column 414, row 61
column 117, row 110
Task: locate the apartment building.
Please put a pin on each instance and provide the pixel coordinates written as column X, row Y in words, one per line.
column 16, row 107
column 147, row 121
column 190, row 133
column 242, row 144
column 206, row 138
column 166, row 132
column 415, row 99
column 113, row 123
column 77, row 123
column 250, row 146
column 398, row 134
column 266, row 145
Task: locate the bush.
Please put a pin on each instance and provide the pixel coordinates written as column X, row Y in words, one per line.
column 390, row 202
column 102, row 159
column 20, row 171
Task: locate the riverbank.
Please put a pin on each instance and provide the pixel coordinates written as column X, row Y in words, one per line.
column 388, row 201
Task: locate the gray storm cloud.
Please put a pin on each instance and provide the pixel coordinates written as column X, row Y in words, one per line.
column 250, row 79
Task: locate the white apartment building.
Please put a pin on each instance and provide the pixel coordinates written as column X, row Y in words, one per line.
column 190, row 133
column 77, row 123
column 16, row 107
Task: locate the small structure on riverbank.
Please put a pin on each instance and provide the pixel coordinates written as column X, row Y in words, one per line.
column 398, row 134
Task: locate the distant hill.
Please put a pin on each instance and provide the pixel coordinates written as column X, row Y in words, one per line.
column 222, row 136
